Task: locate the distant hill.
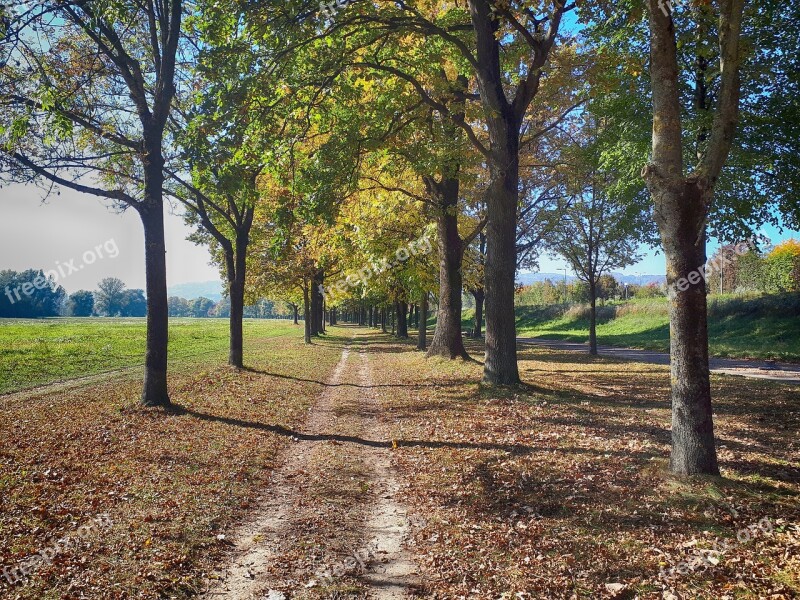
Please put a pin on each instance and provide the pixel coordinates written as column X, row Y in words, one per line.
column 529, row 278
column 194, row 289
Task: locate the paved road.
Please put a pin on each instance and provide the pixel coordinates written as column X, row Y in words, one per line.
column 758, row 369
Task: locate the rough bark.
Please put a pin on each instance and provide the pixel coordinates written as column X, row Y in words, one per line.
column 693, row 450
column 447, row 340
column 500, row 365
column 306, row 315
column 316, row 300
column 236, row 351
column 593, row 318
column 236, row 273
column 479, row 296
column 402, row 320
column 422, row 322
column 681, row 208
column 154, row 388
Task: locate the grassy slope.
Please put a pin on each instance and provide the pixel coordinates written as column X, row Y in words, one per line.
column 35, row 352
column 767, row 327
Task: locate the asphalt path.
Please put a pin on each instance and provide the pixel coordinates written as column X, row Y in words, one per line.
column 757, row 369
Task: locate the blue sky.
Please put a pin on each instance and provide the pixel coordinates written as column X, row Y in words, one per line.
column 652, row 262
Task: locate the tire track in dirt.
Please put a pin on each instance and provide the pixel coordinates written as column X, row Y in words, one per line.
column 276, row 554
column 393, row 573
column 258, row 542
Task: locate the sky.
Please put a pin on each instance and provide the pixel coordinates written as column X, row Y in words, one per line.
column 68, row 228
column 652, row 262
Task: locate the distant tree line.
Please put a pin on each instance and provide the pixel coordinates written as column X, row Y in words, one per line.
column 203, row 307
column 31, row 295
column 608, row 287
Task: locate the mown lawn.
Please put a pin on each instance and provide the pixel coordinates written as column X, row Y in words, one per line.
column 762, row 328
column 171, row 482
column 35, row 352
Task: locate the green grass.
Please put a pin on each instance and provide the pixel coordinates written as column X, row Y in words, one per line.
column 36, row 352
column 763, row 327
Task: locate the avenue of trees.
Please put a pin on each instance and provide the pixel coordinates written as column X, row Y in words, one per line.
column 366, row 164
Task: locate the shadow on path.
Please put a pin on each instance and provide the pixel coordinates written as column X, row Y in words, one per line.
column 518, row 449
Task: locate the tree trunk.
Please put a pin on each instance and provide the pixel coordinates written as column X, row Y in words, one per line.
column 593, row 318
column 295, row 310
column 154, row 389
column 383, row 319
column 478, row 327
column 316, row 303
column 402, row 322
column 500, row 365
column 236, row 351
column 681, row 208
column 236, row 282
column 693, row 449
column 447, row 340
column 422, row 322
column 307, row 315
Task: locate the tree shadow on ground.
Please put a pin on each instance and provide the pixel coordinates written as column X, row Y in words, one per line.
column 515, row 449
column 352, row 385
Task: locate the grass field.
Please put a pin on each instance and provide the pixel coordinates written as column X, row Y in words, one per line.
column 35, row 352
column 760, row 327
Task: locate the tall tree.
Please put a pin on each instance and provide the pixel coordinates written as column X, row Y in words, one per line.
column 81, row 304
column 681, row 202
column 223, row 140
column 505, row 106
column 87, row 88
column 599, row 228
column 109, row 296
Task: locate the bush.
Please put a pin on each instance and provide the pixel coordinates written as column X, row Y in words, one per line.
column 582, row 312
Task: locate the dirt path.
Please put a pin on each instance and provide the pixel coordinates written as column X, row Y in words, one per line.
column 330, row 525
column 393, row 572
